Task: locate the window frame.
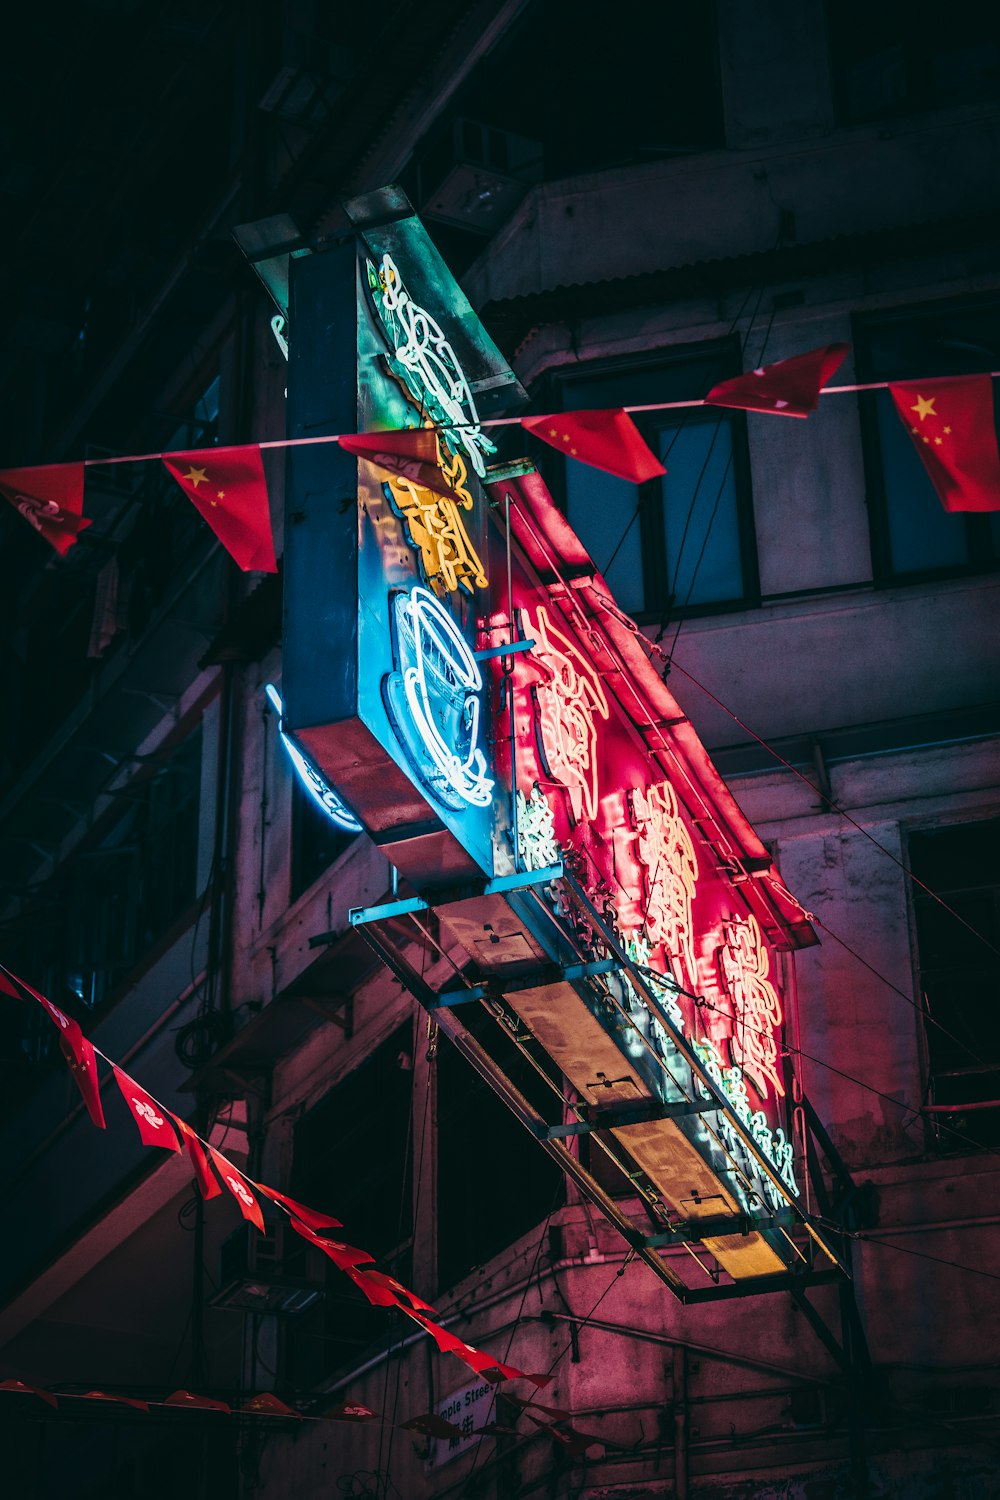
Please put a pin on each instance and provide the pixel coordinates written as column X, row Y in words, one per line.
column 982, row 554
column 726, row 355
column 943, row 1142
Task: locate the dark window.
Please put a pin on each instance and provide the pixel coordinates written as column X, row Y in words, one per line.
column 316, row 840
column 913, row 536
column 959, row 976
column 679, row 545
column 494, row 1180
column 353, row 1157
column 118, row 898
column 897, row 57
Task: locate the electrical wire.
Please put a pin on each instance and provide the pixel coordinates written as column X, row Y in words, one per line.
column 836, row 807
column 715, row 370
column 869, row 1239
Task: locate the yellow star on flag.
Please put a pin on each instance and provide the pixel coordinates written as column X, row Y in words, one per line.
column 924, row 408
column 196, row 476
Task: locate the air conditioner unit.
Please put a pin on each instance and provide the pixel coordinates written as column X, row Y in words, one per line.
column 474, row 176
column 252, row 1278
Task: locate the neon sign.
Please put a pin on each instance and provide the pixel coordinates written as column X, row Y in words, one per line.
column 568, row 698
column 435, row 528
column 537, row 845
column 670, row 874
column 773, row 1144
column 428, row 363
column 744, row 965
column 434, row 700
column 321, row 793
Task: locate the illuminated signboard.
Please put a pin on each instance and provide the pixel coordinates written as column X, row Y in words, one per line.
column 323, row 795
column 457, row 669
column 386, row 578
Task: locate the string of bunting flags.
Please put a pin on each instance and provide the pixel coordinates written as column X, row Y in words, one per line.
column 267, row 1404
column 214, row 1172
column 950, row 420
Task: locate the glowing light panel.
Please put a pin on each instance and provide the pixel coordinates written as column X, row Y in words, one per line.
column 321, row 793
column 670, row 874
column 570, row 698
column 436, row 529
column 744, row 966
column 433, row 698
column 428, row 362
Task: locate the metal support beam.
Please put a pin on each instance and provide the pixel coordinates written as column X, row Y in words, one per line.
column 360, row 916
column 550, row 974
column 753, row 1286
column 612, row 1116
column 719, row 1224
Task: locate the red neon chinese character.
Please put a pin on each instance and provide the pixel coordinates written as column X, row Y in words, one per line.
column 670, row 874
column 569, row 698
column 744, row 965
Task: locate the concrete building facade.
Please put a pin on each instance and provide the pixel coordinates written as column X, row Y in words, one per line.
column 635, row 215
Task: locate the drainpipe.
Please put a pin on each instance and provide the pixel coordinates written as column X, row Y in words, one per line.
column 679, row 1369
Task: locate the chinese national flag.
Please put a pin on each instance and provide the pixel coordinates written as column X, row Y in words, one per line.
column 228, row 489
column 953, row 428
column 790, row 387
column 410, row 452
column 147, row 1114
column 50, row 499
column 607, row 439
column 237, row 1185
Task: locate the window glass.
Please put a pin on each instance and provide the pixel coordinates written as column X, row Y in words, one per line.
column 959, row 977
column 494, row 1180
column 683, row 543
column 316, row 840
column 896, row 58
column 913, row 536
column 700, row 516
column 353, row 1158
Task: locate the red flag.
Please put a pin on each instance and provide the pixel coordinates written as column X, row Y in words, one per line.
column 82, row 1061
column 207, row 1184
column 269, row 1405
column 78, row 1052
column 350, row 1411
column 483, row 1364
column 203, row 1403
column 146, row 1113
column 607, row 439
column 50, row 499
column 953, row 429
column 29, row 1390
column 125, row 1400
column 237, row 1185
column 790, row 387
column 228, row 488
column 309, row 1216
column 344, row 1257
column 383, row 1280
column 410, row 452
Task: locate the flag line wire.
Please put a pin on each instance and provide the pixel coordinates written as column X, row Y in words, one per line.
column 302, row 442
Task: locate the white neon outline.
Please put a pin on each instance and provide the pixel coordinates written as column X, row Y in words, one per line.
column 422, row 619
column 428, row 354
column 319, row 790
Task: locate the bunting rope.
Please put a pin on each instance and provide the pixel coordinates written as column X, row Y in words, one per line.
column 211, row 1167
column 651, row 406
